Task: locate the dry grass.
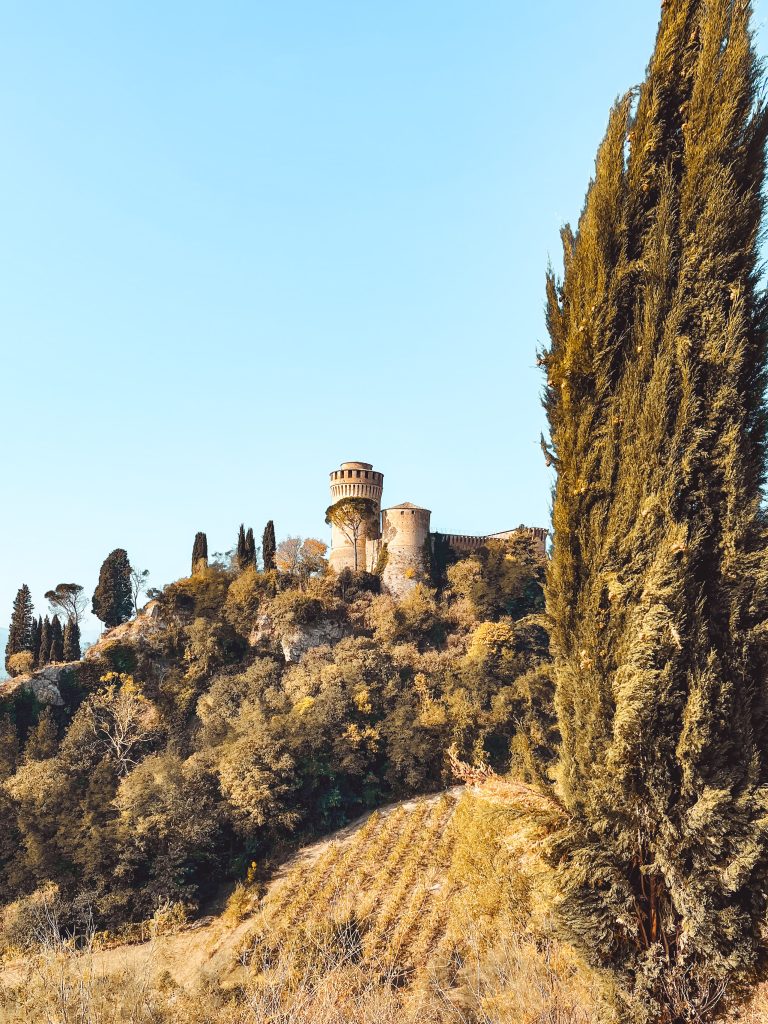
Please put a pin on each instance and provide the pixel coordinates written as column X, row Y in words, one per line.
column 419, row 916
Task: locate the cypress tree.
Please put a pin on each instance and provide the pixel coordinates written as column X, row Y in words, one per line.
column 657, row 590
column 42, row 738
column 20, row 631
column 199, row 553
column 72, row 650
column 113, row 598
column 45, row 642
column 250, row 547
column 240, row 554
column 268, row 546
column 37, row 625
column 57, row 641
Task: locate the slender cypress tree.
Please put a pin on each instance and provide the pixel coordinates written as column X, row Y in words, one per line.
column 113, row 597
column 241, row 554
column 45, row 643
column 37, row 625
column 57, row 641
column 268, row 546
column 72, row 650
column 658, row 586
column 250, row 547
column 199, row 553
column 20, row 631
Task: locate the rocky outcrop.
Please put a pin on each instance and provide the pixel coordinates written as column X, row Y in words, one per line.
column 147, row 622
column 44, row 685
column 294, row 641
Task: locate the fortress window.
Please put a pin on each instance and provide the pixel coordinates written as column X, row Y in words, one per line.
column 366, row 474
column 357, row 472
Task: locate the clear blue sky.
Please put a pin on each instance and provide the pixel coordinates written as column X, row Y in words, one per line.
column 242, row 242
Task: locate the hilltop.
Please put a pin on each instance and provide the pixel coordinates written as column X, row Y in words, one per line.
column 245, row 711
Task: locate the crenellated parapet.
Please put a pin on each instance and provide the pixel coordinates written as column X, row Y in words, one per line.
column 467, row 543
column 355, row 480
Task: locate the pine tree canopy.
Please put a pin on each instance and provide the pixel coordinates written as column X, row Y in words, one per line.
column 20, row 633
column 268, row 546
column 657, row 589
column 113, row 598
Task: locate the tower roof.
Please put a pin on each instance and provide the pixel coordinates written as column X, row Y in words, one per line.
column 407, row 504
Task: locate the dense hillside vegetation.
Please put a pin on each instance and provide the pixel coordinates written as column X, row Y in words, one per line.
column 247, row 709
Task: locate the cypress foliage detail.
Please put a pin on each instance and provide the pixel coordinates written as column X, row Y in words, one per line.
column 658, row 586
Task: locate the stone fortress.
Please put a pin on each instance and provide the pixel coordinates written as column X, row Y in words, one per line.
column 403, row 529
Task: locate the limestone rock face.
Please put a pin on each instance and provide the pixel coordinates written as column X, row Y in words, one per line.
column 294, row 641
column 303, row 638
column 43, row 684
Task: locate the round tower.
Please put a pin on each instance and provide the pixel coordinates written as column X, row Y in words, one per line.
column 405, row 531
column 355, row 480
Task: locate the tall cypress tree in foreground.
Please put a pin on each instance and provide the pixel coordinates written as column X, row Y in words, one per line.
column 113, row 597
column 20, row 631
column 268, row 546
column 658, row 585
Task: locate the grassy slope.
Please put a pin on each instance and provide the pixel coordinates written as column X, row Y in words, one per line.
column 407, row 914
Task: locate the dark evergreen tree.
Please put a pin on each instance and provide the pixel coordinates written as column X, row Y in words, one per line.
column 113, row 598
column 57, row 641
column 268, row 546
column 199, row 553
column 240, row 553
column 42, row 739
column 72, row 650
column 45, row 642
column 657, row 590
column 9, row 747
column 20, row 631
column 37, row 625
column 250, row 547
